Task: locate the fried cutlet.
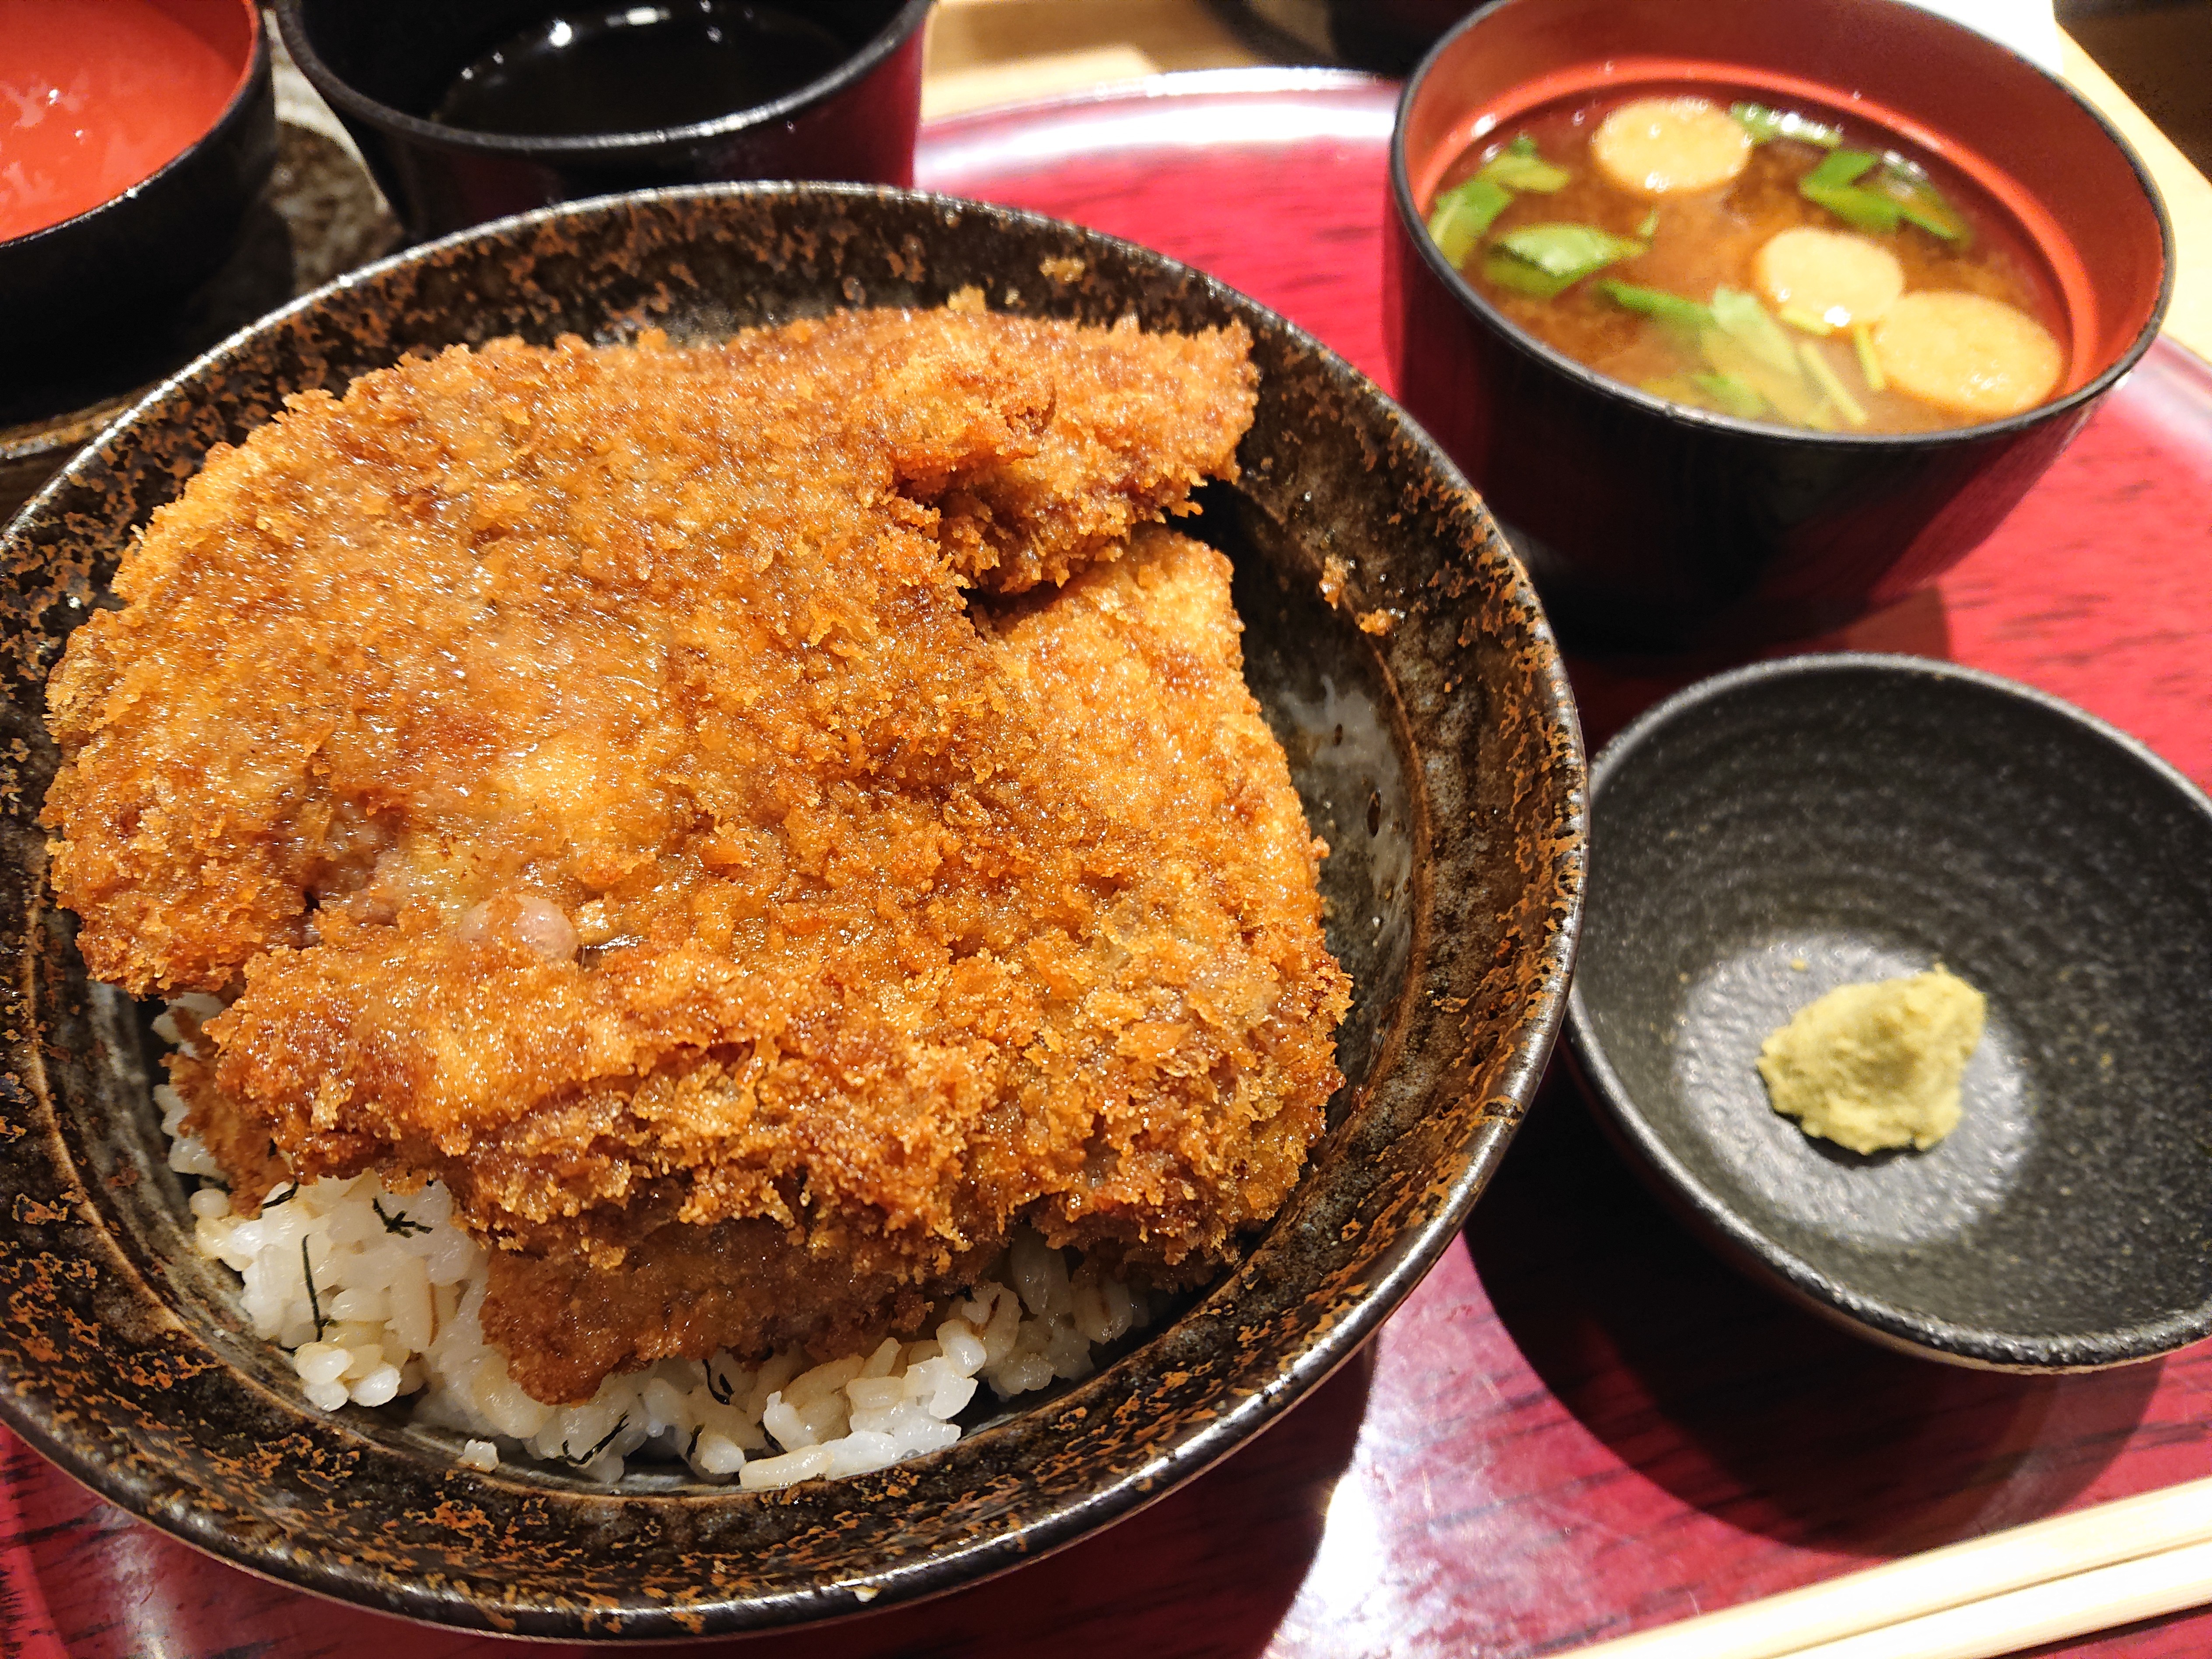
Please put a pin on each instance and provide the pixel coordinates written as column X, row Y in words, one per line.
column 612, row 782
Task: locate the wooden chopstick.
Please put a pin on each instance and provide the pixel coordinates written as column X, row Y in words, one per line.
column 2141, row 1588
column 2111, row 1565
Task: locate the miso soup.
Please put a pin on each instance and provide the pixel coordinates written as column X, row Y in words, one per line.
column 1776, row 264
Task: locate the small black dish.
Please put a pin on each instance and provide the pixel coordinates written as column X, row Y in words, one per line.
column 1773, row 833
column 386, row 68
column 69, row 289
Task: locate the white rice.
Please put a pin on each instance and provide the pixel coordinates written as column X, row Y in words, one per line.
column 377, row 1297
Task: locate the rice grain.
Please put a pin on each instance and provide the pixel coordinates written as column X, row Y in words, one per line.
column 376, row 1296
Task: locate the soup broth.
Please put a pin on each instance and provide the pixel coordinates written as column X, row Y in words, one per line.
column 1781, row 265
column 95, row 96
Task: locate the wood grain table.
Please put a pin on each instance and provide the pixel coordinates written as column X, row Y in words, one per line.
column 1581, row 1423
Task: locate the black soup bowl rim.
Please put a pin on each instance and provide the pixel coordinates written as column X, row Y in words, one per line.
column 1894, row 1325
column 250, row 74
column 1410, row 224
column 849, row 71
column 451, row 1602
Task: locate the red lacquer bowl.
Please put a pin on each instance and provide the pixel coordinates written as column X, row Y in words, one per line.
column 101, row 268
column 1650, row 525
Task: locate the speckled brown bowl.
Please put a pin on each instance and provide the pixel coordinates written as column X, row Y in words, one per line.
column 1441, row 759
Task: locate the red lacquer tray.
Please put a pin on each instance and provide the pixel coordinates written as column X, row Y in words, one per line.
column 1581, row 1424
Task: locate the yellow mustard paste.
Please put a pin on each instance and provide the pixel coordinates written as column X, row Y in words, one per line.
column 1876, row 1066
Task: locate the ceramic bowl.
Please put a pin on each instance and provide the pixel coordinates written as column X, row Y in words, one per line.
column 1773, row 833
column 383, row 67
column 1649, row 525
column 105, row 269
column 1440, row 759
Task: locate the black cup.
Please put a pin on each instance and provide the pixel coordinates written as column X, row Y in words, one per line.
column 384, row 66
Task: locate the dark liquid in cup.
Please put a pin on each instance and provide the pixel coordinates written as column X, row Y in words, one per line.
column 637, row 69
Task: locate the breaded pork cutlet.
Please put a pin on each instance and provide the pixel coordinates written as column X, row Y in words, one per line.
column 594, row 781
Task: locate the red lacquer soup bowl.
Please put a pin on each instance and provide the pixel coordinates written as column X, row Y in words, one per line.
column 137, row 135
column 1650, row 524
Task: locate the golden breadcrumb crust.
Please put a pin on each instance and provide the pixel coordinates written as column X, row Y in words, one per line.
column 610, row 781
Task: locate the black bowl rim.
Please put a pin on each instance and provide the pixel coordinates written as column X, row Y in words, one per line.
column 1413, row 1254
column 253, row 75
column 849, row 71
column 1712, row 1217
column 1410, row 224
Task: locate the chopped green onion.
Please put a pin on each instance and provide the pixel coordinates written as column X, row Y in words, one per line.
column 1648, row 226
column 1902, row 191
column 1937, row 222
column 1833, row 185
column 1870, row 365
column 1747, row 344
column 1741, row 317
column 1825, row 376
column 1522, row 144
column 1509, row 272
column 1731, row 396
column 1528, row 172
column 1724, row 394
column 1545, row 260
column 1919, row 202
column 1843, row 167
column 1463, row 213
column 1808, row 322
column 1557, row 249
column 1656, row 302
column 1859, row 208
column 1765, row 124
column 1682, row 389
column 1792, row 397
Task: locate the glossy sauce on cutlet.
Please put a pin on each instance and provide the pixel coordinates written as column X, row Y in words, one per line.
column 616, row 799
